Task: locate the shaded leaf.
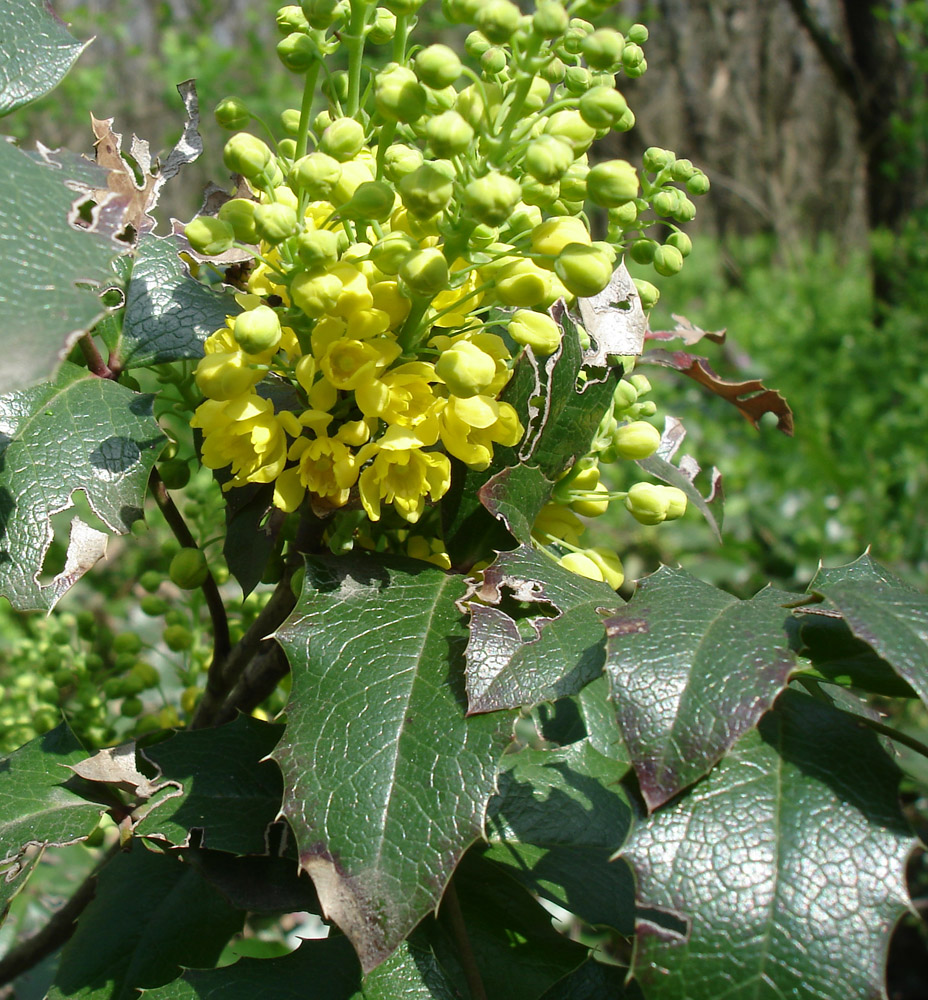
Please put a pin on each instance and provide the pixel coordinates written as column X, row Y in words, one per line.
column 256, row 884
column 594, row 981
column 559, row 817
column 786, row 863
column 36, row 810
column 78, row 432
column 751, row 397
column 53, row 271
column 614, row 320
column 168, row 313
column 253, row 526
column 383, row 816
column 594, row 703
column 227, row 790
column 152, row 915
column 683, row 474
column 36, row 51
column 692, row 669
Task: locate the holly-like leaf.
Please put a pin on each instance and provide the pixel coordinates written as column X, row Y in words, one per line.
column 862, row 570
column 594, row 981
column 52, row 272
column 595, row 706
column 36, row 810
column 752, row 398
column 382, row 817
column 77, row 432
column 258, row 884
column 152, row 915
column 512, row 662
column 559, row 817
column 223, row 787
column 36, row 51
column 168, row 313
column 786, row 865
column 614, row 320
column 692, row 669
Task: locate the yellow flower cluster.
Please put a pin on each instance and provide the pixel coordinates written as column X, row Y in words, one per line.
column 318, row 386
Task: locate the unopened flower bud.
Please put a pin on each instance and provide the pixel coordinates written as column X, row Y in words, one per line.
column 602, row 107
column 461, row 11
column 188, row 569
column 315, row 294
column 638, row 34
column 612, row 183
column 465, row 369
column 538, row 194
column 291, row 18
column 548, row 158
column 449, row 134
column 498, row 19
column 257, row 330
column 636, row 440
column 372, row 201
column 425, row 272
column 521, row 284
column 553, row 70
column 698, row 184
column 398, row 95
column 642, row 251
column 494, row 60
column 685, row 210
column 656, row 159
column 403, row 7
column 437, row 66
column 400, row 160
column 276, row 222
column 536, row 330
column 320, row 13
column 573, row 183
column 247, row 155
column 343, row 139
column 666, row 202
column 589, row 507
column 315, row 175
column 647, row 293
column 647, row 503
column 297, row 52
column 383, row 27
column 632, row 57
column 550, row 19
column 681, row 242
column 209, row 236
column 553, row 235
column 317, row 249
column 603, row 48
column 492, row 198
column 231, row 113
column 667, row 260
column 569, row 126
column 225, row 375
column 389, row 254
column 682, row 170
column 584, row 270
column 476, row 44
column 609, row 565
column 335, row 87
column 582, row 565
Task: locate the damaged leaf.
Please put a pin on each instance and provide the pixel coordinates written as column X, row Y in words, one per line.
column 614, row 320
column 686, row 331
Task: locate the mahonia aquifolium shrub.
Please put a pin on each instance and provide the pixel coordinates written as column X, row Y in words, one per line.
column 406, row 242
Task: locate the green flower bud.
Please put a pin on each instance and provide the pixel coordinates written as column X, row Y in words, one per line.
column 449, row 134
column 536, row 330
column 521, row 284
column 471, row 104
column 656, row 159
column 175, row 473
column 603, row 48
column 209, row 236
column 553, row 70
column 498, row 19
column 315, row 175
column 383, row 27
column 583, row 270
column 320, row 13
column 550, row 19
column 538, row 194
column 569, row 126
column 633, row 72
column 523, row 219
column 403, row 7
column 239, row 213
column 573, row 183
column 626, row 121
column 612, row 183
column 335, row 87
column 131, row 707
column 681, row 242
column 398, row 95
column 257, row 330
column 153, row 606
column 177, row 638
column 291, row 18
column 608, row 564
column 389, row 254
column 602, row 107
column 636, row 440
column 492, row 198
column 642, row 251
column 188, row 569
column 589, row 507
column 276, row 222
column 321, row 122
column 286, row 151
column 676, row 502
column 647, row 503
column 426, row 191
column 483, row 236
column 372, row 201
column 317, row 249
column 493, row 61
column 665, row 202
column 315, row 294
column 698, row 184
column 342, row 139
column 667, row 261
column 577, row 30
column 582, row 565
column 685, row 210
column 682, row 170
column 465, row 369
column 144, row 674
column 548, row 158
column 246, row 155
column 231, row 113
column 425, row 272
column 460, row 11
column 476, row 44
column 632, row 56
column 638, row 34
column 647, row 293
column 437, row 66
column 400, row 160
column 150, row 580
column 297, row 52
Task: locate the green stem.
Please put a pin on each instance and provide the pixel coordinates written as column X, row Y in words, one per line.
column 306, row 108
column 94, row 359
column 410, row 334
column 353, row 40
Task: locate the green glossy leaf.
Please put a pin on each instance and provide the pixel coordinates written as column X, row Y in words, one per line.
column 692, row 669
column 594, row 981
column 518, row 952
column 152, row 915
column 412, row 972
column 862, row 570
column 220, row 785
column 559, row 817
column 252, row 528
column 52, row 272
column 548, row 657
column 36, row 50
column 786, row 863
column 516, row 496
column 36, row 810
column 594, row 702
column 257, row 884
column 382, row 816
column 77, row 432
column 168, row 313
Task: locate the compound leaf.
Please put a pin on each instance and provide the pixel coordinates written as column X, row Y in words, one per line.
column 382, row 816
column 77, row 432
column 692, row 669
column 786, row 865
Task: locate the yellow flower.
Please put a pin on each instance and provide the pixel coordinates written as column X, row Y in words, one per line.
column 403, row 396
column 461, row 294
column 490, row 344
column 470, row 427
column 244, row 433
column 225, row 375
column 557, row 522
column 401, row 473
column 387, row 296
column 325, row 466
column 428, row 550
column 348, row 364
